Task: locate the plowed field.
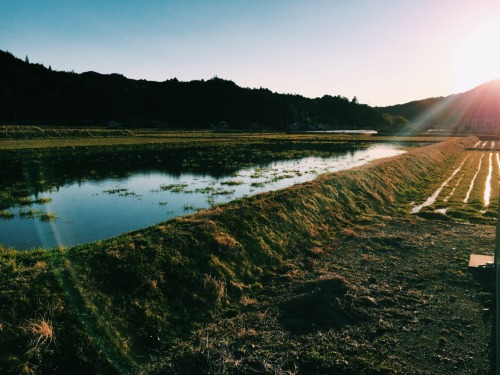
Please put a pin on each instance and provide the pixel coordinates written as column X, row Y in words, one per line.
column 469, row 192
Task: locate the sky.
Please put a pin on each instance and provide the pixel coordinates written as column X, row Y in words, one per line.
column 384, row 52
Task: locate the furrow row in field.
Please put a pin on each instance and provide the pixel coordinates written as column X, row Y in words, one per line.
column 487, row 187
column 454, row 183
column 483, row 179
column 471, row 186
column 487, row 144
column 433, row 197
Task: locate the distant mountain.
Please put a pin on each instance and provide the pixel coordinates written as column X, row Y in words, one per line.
column 31, row 93
column 475, row 111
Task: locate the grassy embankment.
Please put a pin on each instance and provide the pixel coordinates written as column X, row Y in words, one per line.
column 121, row 304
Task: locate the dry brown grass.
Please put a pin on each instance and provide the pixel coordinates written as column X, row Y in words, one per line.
column 248, row 301
column 349, row 232
column 26, row 370
column 41, row 332
column 226, row 241
column 317, row 251
column 40, row 266
column 153, row 283
column 368, row 257
column 217, row 288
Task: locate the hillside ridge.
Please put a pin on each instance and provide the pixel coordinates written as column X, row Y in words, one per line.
column 33, row 94
column 474, row 111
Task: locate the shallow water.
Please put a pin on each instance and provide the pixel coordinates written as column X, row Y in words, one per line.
column 92, row 210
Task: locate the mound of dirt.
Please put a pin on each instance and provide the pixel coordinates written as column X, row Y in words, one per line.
column 323, row 304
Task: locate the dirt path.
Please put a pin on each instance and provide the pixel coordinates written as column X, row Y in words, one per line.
column 389, row 296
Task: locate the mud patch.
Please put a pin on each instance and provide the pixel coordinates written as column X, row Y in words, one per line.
column 321, row 305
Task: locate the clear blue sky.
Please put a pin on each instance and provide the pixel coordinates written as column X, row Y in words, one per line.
column 382, row 51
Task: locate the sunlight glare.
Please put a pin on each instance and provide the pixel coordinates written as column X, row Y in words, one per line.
column 477, row 58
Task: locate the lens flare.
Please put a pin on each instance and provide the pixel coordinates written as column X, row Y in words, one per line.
column 477, row 57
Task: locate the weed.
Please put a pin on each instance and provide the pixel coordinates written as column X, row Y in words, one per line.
column 25, row 201
column 6, row 215
column 232, row 183
column 30, row 214
column 48, row 217
column 223, row 192
column 129, row 194
column 257, row 184
column 174, row 188
column 43, row 200
column 116, row 191
column 41, row 332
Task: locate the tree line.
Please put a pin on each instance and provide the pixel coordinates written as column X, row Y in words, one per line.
column 31, row 93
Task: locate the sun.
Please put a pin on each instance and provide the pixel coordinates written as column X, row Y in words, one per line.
column 477, row 57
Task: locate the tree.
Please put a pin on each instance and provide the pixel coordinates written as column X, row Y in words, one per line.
column 354, row 100
column 26, row 60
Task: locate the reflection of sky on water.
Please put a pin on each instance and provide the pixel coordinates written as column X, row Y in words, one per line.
column 88, row 211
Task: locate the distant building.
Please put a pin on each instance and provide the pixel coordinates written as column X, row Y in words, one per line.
column 301, row 127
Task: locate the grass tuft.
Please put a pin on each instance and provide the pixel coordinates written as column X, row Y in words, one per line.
column 42, row 334
column 6, row 215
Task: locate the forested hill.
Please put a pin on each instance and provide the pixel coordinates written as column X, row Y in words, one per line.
column 33, row 94
column 474, row 111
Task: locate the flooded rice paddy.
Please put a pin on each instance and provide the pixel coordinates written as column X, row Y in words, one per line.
column 84, row 209
column 470, row 191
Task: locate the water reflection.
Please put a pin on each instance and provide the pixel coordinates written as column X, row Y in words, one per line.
column 89, row 206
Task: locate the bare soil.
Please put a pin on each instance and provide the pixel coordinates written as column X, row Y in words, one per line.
column 386, row 296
